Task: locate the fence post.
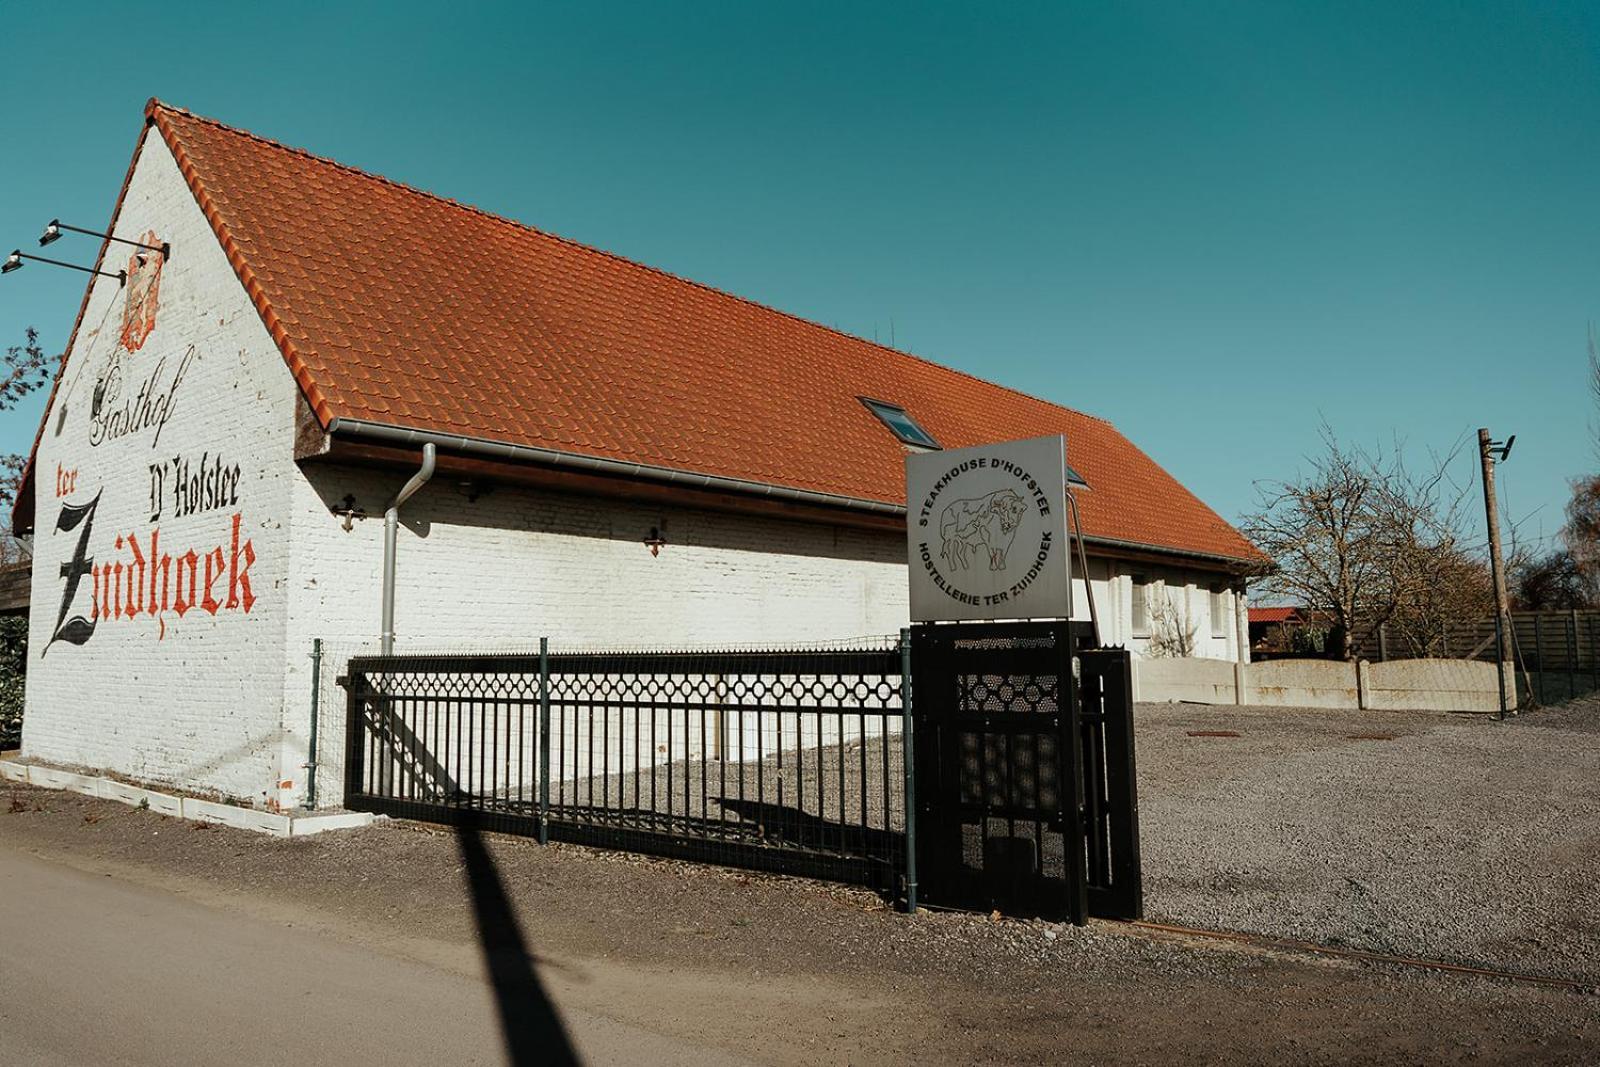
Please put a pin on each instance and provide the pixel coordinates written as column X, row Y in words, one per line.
column 355, row 741
column 544, row 740
column 311, row 740
column 1538, row 650
column 1572, row 654
column 910, row 772
column 1594, row 653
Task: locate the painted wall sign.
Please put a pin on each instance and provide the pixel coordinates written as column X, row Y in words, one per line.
column 141, row 579
column 144, row 289
column 196, row 485
column 115, row 413
column 986, row 532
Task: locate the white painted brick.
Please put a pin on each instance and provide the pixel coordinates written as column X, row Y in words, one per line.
column 195, row 699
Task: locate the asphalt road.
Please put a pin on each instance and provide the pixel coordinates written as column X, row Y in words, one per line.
column 96, row 970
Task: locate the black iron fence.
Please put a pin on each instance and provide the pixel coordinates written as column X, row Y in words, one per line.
column 788, row 761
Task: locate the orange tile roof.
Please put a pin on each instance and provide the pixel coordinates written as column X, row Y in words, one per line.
column 395, row 306
column 1269, row 615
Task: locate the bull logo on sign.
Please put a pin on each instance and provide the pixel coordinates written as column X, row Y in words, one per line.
column 985, row 525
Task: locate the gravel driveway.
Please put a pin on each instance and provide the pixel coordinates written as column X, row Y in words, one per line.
column 1441, row 836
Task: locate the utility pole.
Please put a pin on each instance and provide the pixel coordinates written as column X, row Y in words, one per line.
column 1488, row 452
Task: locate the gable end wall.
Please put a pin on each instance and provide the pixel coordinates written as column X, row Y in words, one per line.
column 164, row 677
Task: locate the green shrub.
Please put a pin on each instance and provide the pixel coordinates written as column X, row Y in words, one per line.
column 13, row 666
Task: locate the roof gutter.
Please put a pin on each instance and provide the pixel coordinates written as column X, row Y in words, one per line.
column 1233, row 562
column 403, row 437
column 550, row 457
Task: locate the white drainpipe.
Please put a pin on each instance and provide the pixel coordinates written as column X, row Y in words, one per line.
column 391, row 531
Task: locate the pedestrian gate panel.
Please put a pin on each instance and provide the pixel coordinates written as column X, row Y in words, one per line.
column 1025, row 770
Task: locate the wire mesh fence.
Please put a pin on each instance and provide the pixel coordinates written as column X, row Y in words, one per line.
column 775, row 759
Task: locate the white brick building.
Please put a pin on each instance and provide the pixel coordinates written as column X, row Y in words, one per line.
column 208, row 484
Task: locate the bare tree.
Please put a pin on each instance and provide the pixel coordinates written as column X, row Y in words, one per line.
column 1440, row 584
column 1363, row 540
column 12, row 549
column 1567, row 576
column 24, row 369
column 1553, row 581
column 1440, row 577
column 1172, row 636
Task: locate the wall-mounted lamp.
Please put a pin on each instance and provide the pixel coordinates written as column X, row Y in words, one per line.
column 348, row 510
column 473, row 488
column 15, row 262
column 655, row 541
column 52, row 232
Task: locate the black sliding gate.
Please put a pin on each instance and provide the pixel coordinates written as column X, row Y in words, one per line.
column 1027, row 797
column 782, row 761
column 786, row 761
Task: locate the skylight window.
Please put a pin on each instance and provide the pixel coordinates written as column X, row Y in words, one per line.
column 901, row 424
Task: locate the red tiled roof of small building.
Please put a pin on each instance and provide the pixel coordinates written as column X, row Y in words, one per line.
column 1270, row 615
column 519, row 336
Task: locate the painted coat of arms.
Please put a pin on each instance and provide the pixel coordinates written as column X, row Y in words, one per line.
column 144, row 287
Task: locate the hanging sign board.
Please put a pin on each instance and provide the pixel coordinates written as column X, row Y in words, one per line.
column 986, row 532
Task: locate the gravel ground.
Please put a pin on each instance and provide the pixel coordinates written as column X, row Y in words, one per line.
column 805, row 787
column 1460, row 839
column 1444, row 837
column 791, row 971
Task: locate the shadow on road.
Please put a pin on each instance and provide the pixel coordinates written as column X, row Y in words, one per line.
column 532, row 1029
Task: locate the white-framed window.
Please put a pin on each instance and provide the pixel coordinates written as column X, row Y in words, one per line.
column 1139, row 617
column 1219, row 611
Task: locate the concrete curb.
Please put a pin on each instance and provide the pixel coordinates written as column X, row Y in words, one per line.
column 263, row 822
column 239, row 818
column 135, row 797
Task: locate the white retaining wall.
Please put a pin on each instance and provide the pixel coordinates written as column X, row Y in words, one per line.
column 1454, row 684
column 1201, row 681
column 1421, row 684
column 1302, row 683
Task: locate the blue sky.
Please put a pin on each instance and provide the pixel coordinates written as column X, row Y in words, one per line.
column 1213, row 224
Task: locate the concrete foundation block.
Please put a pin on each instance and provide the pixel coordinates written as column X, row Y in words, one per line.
column 240, row 818
column 305, row 825
column 133, row 796
column 13, row 772
column 50, row 778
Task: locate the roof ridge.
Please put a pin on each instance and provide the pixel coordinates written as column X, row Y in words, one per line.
column 473, row 209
